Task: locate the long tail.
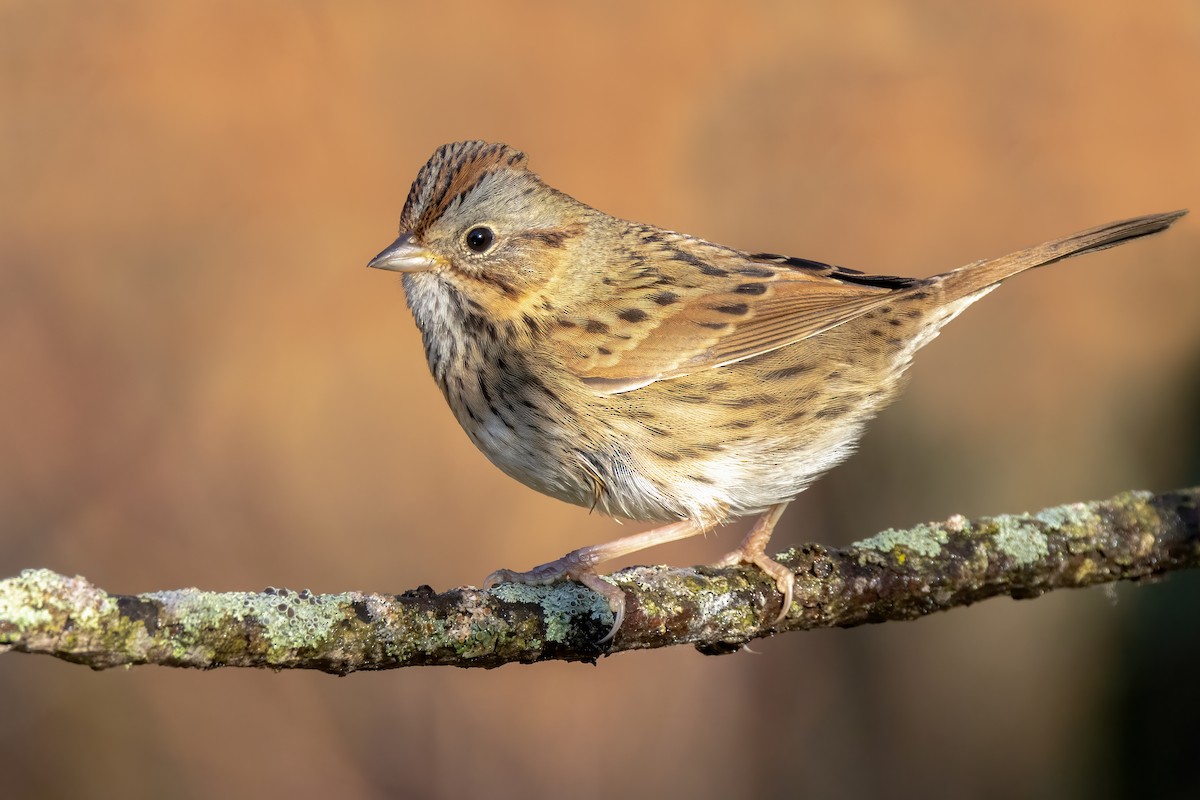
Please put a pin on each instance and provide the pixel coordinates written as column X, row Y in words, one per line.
column 975, row 277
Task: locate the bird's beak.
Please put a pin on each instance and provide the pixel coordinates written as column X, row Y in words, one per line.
column 403, row 255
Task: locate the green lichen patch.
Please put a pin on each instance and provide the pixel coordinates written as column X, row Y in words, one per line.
column 1019, row 540
column 1074, row 520
column 288, row 621
column 17, row 608
column 30, row 600
column 923, row 540
column 560, row 603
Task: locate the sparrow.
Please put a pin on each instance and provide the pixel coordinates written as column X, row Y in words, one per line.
column 654, row 375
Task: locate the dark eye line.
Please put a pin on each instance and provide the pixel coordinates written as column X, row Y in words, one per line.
column 551, row 237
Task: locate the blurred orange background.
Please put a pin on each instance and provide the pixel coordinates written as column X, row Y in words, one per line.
column 203, row 386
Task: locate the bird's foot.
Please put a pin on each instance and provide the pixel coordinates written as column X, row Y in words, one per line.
column 578, row 565
column 752, row 550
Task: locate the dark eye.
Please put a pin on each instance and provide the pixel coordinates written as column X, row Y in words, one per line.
column 480, row 239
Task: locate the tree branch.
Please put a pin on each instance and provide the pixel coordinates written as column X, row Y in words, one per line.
column 894, row 575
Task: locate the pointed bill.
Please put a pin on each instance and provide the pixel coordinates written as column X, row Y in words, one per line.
column 404, row 255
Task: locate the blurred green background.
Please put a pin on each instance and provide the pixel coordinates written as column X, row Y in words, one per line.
column 200, row 384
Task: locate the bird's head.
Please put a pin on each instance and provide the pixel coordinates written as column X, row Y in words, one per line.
column 481, row 220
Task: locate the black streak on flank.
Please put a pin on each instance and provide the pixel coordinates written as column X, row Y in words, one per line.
column 832, row 411
column 633, row 315
column 546, row 390
column 504, row 420
column 471, row 414
column 665, row 298
column 751, row 288
column 595, row 326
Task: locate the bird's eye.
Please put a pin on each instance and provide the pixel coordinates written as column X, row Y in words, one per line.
column 480, row 239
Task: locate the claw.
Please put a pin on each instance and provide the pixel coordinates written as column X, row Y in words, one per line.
column 572, row 566
column 752, row 551
column 614, row 596
column 580, row 565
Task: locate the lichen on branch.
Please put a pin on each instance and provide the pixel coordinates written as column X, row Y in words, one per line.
column 894, row 575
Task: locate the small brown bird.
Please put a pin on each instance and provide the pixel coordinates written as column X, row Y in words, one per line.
column 651, row 374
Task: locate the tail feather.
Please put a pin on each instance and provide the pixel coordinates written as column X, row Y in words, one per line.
column 975, row 277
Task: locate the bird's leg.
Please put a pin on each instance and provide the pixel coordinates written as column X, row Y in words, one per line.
column 580, row 565
column 752, row 550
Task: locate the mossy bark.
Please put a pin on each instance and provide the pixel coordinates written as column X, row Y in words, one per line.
column 895, row 575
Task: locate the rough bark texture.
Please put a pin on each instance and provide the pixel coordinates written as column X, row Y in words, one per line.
column 894, row 575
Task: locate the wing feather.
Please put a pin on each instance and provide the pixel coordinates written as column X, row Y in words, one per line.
column 691, row 306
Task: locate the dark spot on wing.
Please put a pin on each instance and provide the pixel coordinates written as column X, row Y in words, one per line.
column 688, row 258
column 733, row 309
column 838, row 273
column 651, row 237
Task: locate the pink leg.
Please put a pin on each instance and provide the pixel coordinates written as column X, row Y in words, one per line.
column 752, row 550
column 580, row 565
